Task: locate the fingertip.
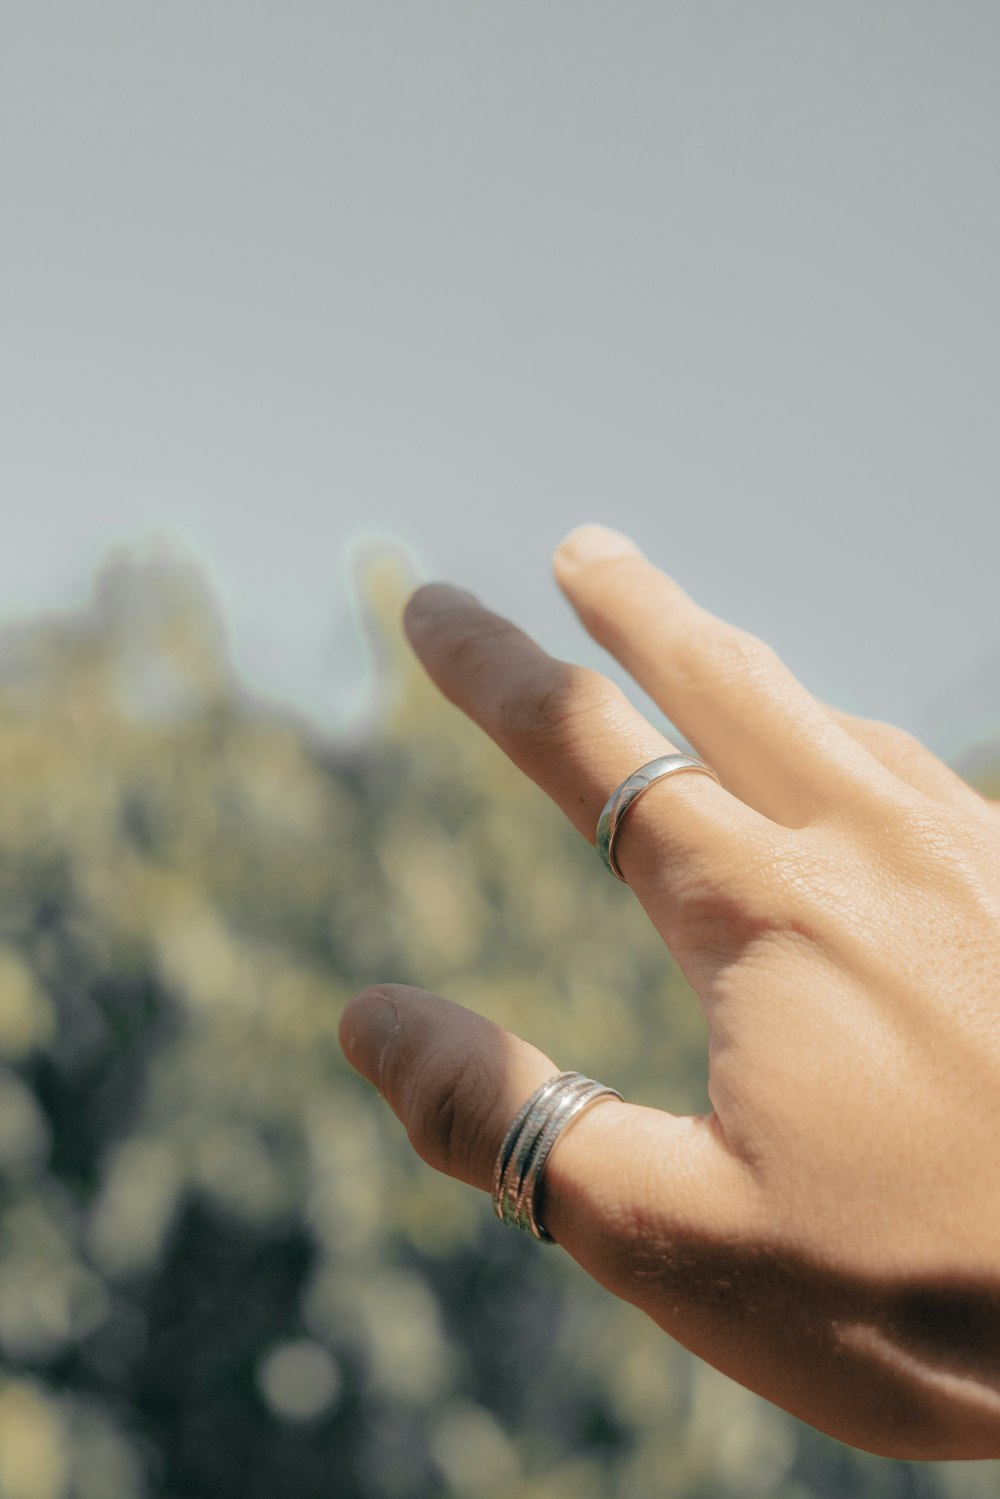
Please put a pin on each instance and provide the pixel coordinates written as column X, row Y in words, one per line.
column 452, row 1077
column 430, row 601
column 368, row 1024
column 591, row 543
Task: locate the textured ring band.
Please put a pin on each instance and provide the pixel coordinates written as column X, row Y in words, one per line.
column 629, row 791
column 528, row 1143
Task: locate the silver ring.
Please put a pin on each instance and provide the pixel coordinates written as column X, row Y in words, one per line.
column 528, row 1144
column 630, row 789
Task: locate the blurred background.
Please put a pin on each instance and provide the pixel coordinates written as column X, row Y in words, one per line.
column 301, row 303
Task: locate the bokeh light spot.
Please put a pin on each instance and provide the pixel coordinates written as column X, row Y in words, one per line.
column 299, row 1380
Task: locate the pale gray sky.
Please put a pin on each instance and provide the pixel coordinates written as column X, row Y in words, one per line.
column 468, row 272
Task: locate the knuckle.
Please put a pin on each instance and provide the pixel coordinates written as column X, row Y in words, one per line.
column 922, row 831
column 722, row 918
column 929, row 859
column 948, row 850
column 894, row 743
column 551, row 703
column 725, row 657
column 700, row 914
column 891, row 733
column 466, row 654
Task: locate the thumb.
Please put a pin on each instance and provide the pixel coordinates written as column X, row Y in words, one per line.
column 622, row 1182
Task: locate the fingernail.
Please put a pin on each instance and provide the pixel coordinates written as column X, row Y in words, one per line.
column 368, row 1024
column 595, row 544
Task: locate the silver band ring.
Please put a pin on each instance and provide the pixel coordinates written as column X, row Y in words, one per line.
column 528, row 1143
column 629, row 791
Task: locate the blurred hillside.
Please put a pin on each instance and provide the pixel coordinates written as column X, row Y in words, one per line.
column 223, row 1274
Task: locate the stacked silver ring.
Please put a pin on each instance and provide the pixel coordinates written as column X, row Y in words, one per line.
column 529, row 1141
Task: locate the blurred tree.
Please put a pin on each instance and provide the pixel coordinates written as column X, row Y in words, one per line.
column 222, row 1272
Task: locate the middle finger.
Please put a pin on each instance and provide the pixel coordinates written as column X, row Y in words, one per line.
column 773, row 744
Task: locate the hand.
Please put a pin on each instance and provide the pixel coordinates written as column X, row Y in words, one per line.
column 830, row 1234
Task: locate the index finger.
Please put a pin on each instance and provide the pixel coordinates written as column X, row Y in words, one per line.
column 576, row 735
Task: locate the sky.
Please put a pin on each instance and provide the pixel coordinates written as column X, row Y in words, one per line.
column 281, row 280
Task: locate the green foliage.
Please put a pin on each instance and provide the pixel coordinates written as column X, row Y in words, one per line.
column 223, row 1274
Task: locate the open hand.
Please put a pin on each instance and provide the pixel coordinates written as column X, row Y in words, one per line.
column 829, row 1235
